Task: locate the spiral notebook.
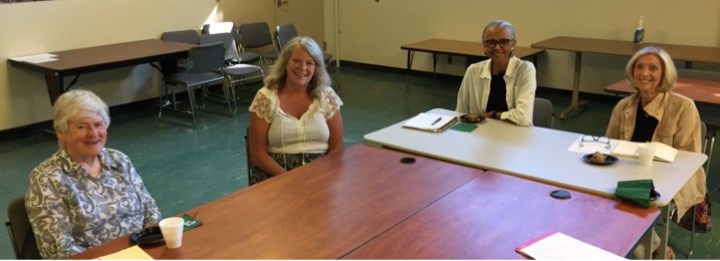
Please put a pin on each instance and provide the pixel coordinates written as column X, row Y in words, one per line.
column 431, row 122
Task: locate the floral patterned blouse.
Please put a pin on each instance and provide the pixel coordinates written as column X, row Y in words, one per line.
column 71, row 211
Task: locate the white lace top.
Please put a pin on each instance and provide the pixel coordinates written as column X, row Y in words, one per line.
column 287, row 134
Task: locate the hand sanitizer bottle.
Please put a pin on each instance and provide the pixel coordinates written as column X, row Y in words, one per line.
column 639, row 33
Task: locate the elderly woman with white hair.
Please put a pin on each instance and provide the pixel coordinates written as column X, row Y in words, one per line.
column 655, row 113
column 85, row 194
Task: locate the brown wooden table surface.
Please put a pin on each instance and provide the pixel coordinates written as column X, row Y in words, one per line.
column 702, row 91
column 463, row 48
column 494, row 213
column 322, row 210
column 688, row 53
column 105, row 57
column 580, row 45
column 458, row 48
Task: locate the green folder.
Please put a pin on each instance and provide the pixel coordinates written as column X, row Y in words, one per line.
column 466, row 127
column 637, row 192
column 190, row 222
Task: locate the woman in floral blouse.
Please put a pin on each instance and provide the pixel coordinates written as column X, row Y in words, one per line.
column 85, row 194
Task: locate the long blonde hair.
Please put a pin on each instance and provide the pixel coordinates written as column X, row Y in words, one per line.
column 277, row 77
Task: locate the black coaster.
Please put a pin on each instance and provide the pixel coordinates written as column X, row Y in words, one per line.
column 407, row 160
column 561, row 194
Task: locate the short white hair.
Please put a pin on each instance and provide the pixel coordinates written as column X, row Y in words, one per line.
column 76, row 104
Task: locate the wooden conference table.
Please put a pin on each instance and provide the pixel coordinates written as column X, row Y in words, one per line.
column 458, row 48
column 106, row 57
column 581, row 45
column 349, row 205
column 539, row 154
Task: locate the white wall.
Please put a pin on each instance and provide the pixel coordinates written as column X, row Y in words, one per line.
column 373, row 31
column 38, row 27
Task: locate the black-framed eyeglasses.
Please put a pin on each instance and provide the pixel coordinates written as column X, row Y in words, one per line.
column 595, row 139
column 501, row 42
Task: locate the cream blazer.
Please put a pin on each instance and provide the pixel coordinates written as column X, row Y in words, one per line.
column 520, row 87
column 678, row 126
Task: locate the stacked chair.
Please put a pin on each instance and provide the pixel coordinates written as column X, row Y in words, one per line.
column 256, row 36
column 182, row 36
column 201, row 71
column 229, row 27
column 286, row 32
column 233, row 72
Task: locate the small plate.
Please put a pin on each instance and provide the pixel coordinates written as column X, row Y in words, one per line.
column 147, row 236
column 466, row 118
column 609, row 159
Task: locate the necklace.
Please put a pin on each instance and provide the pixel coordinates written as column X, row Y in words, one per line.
column 282, row 139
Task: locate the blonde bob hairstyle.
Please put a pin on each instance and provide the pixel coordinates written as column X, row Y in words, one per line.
column 669, row 73
column 75, row 104
column 278, row 75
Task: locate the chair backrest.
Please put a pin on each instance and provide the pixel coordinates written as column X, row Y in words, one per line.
column 255, row 35
column 231, row 52
column 543, row 113
column 206, row 58
column 21, row 233
column 183, row 36
column 247, row 153
column 284, row 33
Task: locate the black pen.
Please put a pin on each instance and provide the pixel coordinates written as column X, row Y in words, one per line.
column 436, row 121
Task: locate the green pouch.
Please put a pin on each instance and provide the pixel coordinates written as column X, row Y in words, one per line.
column 639, row 192
column 190, row 222
column 466, row 127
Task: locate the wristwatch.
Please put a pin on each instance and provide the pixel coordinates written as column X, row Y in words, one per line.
column 496, row 115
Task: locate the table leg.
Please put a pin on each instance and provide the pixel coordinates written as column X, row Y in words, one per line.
column 666, row 231
column 167, row 66
column 575, row 102
column 410, row 57
column 436, row 56
column 55, row 86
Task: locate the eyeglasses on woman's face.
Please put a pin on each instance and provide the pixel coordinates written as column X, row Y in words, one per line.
column 502, row 42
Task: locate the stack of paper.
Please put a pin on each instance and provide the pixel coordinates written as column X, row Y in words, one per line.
column 130, row 253
column 36, row 58
column 558, row 246
column 663, row 152
column 431, row 122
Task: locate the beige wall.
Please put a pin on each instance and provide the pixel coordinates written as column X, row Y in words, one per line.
column 38, row 27
column 373, row 31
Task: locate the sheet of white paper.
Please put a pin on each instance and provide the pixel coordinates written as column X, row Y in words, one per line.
column 36, row 58
column 591, row 146
column 559, row 246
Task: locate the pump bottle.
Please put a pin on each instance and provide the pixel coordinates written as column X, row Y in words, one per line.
column 639, row 33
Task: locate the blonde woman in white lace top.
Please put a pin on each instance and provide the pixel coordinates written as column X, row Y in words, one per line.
column 295, row 118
